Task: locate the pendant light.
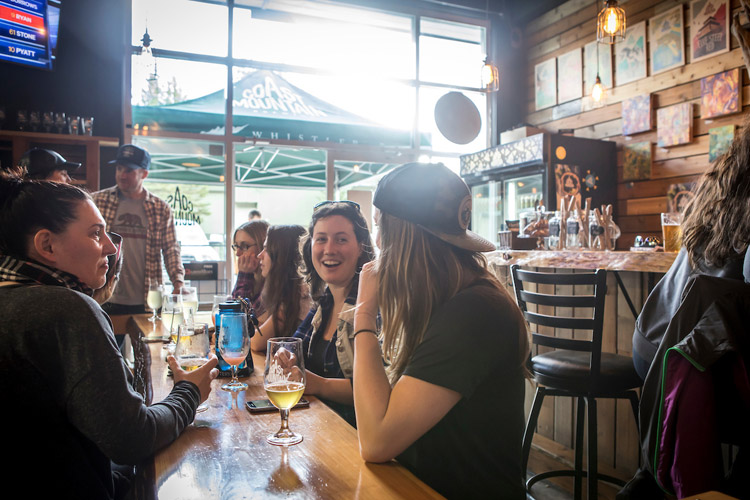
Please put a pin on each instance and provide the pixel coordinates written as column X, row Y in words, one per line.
column 597, row 90
column 147, row 57
column 610, row 23
column 490, row 80
column 489, row 73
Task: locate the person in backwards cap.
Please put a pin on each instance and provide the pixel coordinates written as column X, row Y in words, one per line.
column 47, row 165
column 449, row 402
column 146, row 224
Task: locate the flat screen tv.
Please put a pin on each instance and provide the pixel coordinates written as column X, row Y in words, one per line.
column 28, row 32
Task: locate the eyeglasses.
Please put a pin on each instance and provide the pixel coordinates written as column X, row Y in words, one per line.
column 329, row 202
column 243, row 246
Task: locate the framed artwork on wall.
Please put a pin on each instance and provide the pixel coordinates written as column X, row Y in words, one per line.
column 569, row 76
column 720, row 94
column 592, row 51
column 636, row 114
column 674, row 125
column 636, row 161
column 630, row 55
column 666, row 36
column 709, row 28
column 719, row 139
column 545, row 84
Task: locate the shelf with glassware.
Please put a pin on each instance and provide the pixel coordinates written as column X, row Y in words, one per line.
column 85, row 149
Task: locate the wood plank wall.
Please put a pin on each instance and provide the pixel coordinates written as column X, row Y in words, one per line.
column 617, row 433
column 639, row 203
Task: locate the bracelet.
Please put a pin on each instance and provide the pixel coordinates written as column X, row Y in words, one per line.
column 364, row 330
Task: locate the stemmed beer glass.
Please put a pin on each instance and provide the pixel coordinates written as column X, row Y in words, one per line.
column 192, row 349
column 284, row 382
column 234, row 345
column 153, row 299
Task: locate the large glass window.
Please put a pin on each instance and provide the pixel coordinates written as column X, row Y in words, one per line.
column 313, row 84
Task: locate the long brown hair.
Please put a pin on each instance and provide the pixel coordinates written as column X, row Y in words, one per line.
column 257, row 230
column 417, row 274
column 716, row 226
column 282, row 291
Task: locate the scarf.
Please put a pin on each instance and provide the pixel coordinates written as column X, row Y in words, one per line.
column 28, row 272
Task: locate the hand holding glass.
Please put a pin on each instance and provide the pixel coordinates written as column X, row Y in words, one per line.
column 284, row 381
column 192, row 349
column 234, row 345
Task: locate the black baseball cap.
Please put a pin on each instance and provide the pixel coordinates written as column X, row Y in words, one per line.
column 434, row 198
column 132, row 156
column 39, row 163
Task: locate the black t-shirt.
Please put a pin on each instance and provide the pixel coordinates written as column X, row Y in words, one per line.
column 471, row 347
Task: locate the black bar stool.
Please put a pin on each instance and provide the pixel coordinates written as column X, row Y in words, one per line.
column 576, row 368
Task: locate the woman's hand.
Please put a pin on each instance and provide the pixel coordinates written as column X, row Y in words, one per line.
column 201, row 377
column 248, row 262
column 367, row 297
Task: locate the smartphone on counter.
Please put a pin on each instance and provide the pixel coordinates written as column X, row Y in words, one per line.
column 264, row 405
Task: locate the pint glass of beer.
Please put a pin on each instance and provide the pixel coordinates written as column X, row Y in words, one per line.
column 670, row 228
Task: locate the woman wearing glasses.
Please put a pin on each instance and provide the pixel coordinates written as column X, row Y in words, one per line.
column 285, row 296
column 247, row 243
column 337, row 247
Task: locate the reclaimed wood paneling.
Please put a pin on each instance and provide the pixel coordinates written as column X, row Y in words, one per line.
column 571, row 26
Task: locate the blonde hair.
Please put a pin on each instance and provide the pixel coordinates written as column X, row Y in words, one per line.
column 417, row 274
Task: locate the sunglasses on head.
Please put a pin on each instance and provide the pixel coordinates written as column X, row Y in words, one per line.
column 330, row 202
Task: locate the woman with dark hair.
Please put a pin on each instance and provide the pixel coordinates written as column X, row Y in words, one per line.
column 285, row 296
column 450, row 404
column 59, row 363
column 337, row 246
column 247, row 243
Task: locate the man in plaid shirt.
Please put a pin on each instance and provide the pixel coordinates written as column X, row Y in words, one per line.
column 147, row 226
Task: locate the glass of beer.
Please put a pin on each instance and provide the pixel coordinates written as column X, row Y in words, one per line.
column 284, row 382
column 670, row 228
column 192, row 349
column 153, row 299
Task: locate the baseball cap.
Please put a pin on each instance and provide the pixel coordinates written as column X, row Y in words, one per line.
column 132, row 156
column 39, row 163
column 434, row 198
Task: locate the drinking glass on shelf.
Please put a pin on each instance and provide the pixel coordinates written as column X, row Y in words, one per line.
column 234, row 346
column 88, row 125
column 75, row 123
column 189, row 302
column 35, row 121
column 22, row 120
column 192, row 349
column 284, row 382
column 171, row 315
column 48, row 121
column 61, row 122
column 153, row 299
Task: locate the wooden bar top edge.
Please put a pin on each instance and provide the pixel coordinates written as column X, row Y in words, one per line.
column 647, row 262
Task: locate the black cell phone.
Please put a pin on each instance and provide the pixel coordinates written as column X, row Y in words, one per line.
column 264, row 405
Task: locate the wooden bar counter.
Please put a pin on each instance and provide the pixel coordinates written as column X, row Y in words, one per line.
column 224, row 453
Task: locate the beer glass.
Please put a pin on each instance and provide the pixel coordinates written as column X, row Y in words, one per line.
column 670, row 228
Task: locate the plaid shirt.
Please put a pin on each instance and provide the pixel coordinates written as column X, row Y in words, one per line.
column 311, row 330
column 161, row 238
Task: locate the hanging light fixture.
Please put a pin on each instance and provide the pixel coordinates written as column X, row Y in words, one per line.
column 610, row 23
column 147, row 55
column 490, row 80
column 489, row 73
column 597, row 90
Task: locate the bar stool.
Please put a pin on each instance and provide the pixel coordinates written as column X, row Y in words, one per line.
column 576, row 368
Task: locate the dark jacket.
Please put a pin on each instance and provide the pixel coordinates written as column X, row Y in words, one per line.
column 665, row 300
column 698, row 388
